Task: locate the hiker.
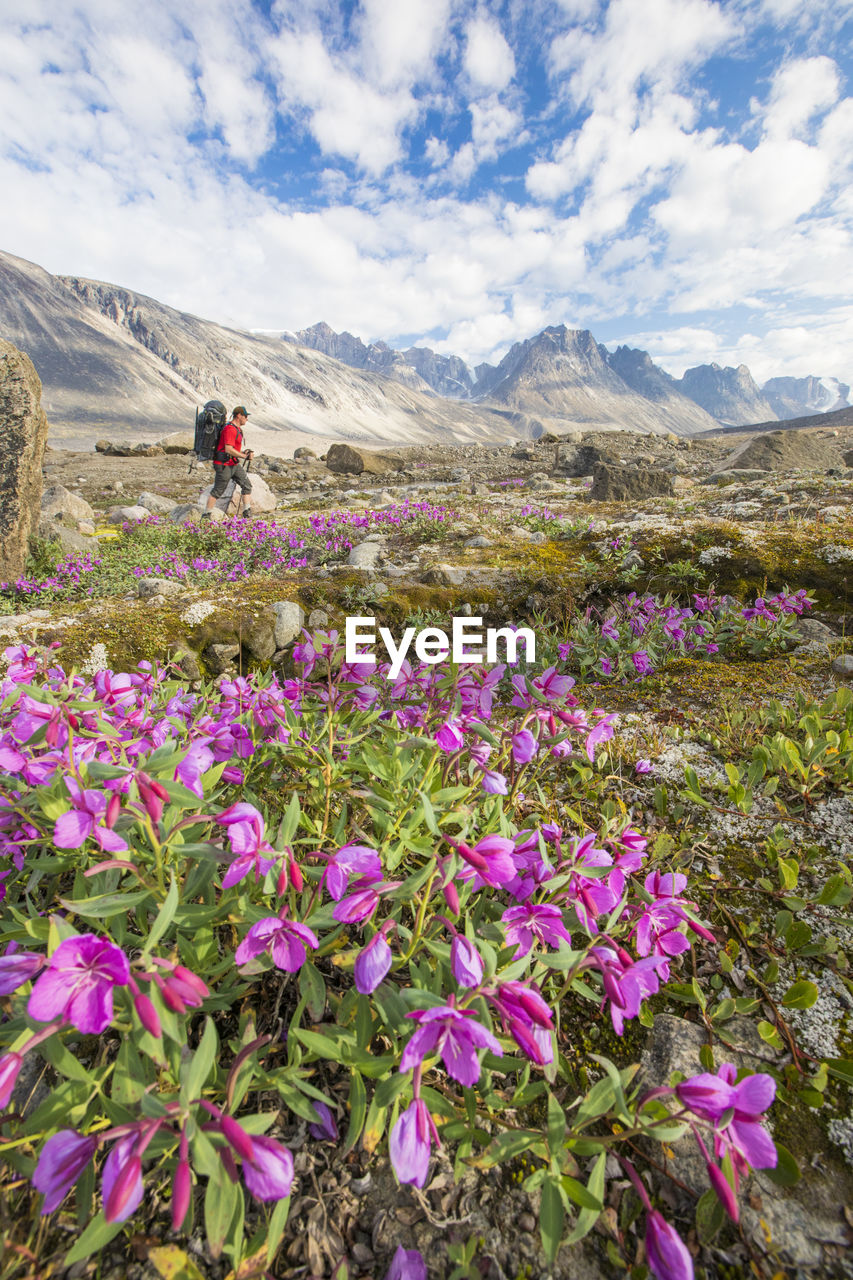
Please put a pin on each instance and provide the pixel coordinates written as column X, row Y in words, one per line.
column 227, row 463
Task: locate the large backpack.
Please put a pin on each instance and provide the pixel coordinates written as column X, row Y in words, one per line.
column 209, row 422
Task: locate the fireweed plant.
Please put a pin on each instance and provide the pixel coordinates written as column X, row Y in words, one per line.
column 640, row 634
column 231, row 551
column 329, row 900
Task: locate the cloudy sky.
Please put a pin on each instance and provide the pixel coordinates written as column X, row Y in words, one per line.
column 674, row 174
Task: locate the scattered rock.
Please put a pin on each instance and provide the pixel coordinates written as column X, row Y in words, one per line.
column 480, row 540
column 443, row 575
column 365, row 556
column 318, row 619
column 118, row 515
column 148, row 587
column 154, row 502
column 59, row 501
column 53, row 530
column 185, row 513
column 289, row 621
column 304, row 452
column 221, row 657
column 843, row 665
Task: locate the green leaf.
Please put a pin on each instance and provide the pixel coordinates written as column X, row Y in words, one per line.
column 710, row 1216
column 104, row 905
column 802, row 995
column 98, row 1234
column 275, row 1230
column 787, row 1171
column 552, row 1216
column 63, row 1061
column 358, row 1111
column 195, row 1073
column 587, row 1218
column 556, row 1126
column 171, row 1263
column 165, row 916
column 841, row 1069
column 220, row 1202
column 313, row 988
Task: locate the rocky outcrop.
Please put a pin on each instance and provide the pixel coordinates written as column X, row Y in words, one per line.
column 785, row 451
column 629, row 484
column 24, row 437
column 729, row 395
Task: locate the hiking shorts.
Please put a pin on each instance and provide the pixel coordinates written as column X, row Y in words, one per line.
column 225, row 474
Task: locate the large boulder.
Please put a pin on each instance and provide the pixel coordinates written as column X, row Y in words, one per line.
column 573, row 459
column 24, row 437
column 178, row 442
column 612, row 483
column 261, row 499
column 345, row 459
column 59, row 501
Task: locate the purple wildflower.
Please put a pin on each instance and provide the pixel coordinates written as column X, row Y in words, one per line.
column 269, row 1172
column 372, row 964
column 63, row 1158
column 285, row 940
column 326, row 1128
column 410, row 1143
column 666, row 1252
column 78, row 983
column 540, row 922
column 453, row 1033
column 407, row 1264
column 465, row 962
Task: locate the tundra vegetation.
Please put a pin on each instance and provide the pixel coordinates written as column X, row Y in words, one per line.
column 269, row 934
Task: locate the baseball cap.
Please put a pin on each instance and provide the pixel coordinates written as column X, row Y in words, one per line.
column 240, row 409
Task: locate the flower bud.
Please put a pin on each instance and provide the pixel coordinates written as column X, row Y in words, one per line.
column 123, row 1189
column 725, row 1194
column 451, row 897
column 296, row 876
column 112, row 810
column 238, row 1138
column 10, row 1065
column 182, row 1186
column 147, row 1015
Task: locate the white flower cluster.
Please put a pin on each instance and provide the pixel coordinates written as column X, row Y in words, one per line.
column 834, row 554
column 197, row 612
column 710, row 554
column 98, row 660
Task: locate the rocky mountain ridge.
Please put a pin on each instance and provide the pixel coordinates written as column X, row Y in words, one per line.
column 729, row 395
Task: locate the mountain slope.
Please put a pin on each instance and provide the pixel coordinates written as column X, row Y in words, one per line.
column 729, row 395
column 118, row 363
column 565, row 379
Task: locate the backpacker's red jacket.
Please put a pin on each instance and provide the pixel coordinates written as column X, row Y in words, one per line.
column 230, row 434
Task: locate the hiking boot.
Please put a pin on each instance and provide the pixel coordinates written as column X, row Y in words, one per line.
column 245, row 513
column 205, row 515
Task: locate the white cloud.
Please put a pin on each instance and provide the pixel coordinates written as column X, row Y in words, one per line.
column 488, row 59
column 801, row 89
